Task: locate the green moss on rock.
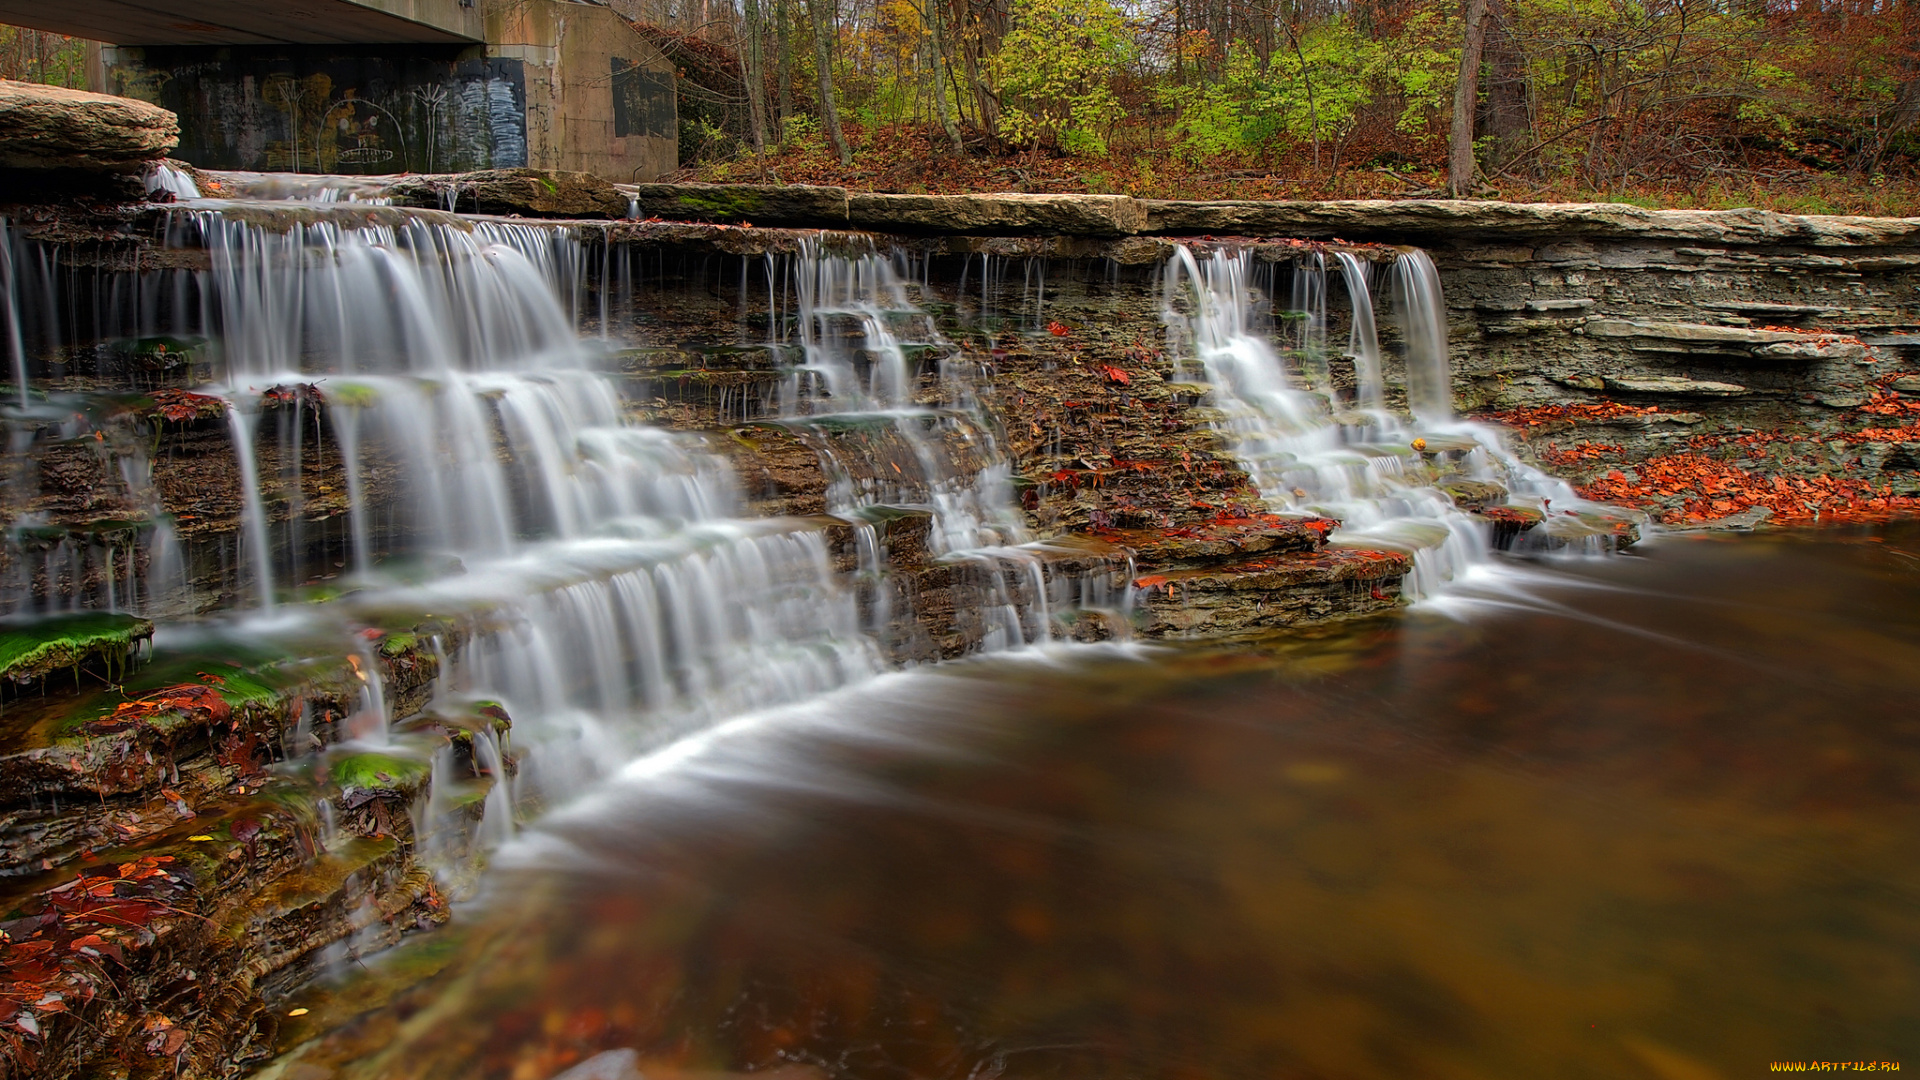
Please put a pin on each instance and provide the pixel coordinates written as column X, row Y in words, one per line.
column 28, row 651
column 374, row 770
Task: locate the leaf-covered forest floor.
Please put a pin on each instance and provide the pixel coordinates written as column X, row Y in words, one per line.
column 918, row 159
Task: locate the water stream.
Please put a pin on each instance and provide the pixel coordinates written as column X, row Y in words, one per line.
column 1656, row 821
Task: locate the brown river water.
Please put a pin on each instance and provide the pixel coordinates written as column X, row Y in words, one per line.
column 1655, row 816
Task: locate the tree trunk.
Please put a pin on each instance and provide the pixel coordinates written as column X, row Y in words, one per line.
column 786, row 71
column 936, row 31
column 754, row 67
column 1507, row 118
column 823, row 63
column 1466, row 97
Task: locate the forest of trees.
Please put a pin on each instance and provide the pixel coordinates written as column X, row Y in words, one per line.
column 1800, row 104
column 33, row 56
column 1804, row 102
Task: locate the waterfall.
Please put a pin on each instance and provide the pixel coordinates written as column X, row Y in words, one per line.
column 493, row 478
column 1423, row 325
column 12, row 295
column 856, row 395
column 171, row 180
column 1363, row 340
column 1361, row 469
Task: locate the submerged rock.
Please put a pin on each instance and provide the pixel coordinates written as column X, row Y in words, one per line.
column 51, row 127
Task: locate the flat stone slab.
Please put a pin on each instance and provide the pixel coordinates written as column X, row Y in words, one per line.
column 1398, row 220
column 51, row 127
column 1223, row 541
column 1083, row 215
column 1272, row 592
column 1355, row 219
column 1687, row 332
column 759, row 204
column 1676, row 386
column 1813, row 349
column 545, row 193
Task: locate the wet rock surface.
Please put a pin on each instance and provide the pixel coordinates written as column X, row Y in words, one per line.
column 164, row 865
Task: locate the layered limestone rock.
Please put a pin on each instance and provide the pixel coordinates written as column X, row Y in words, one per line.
column 165, row 868
column 1391, row 220
column 51, row 127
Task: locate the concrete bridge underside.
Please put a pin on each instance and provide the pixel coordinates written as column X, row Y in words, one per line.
column 250, row 22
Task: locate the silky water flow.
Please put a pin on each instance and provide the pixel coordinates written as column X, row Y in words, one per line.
column 1313, row 450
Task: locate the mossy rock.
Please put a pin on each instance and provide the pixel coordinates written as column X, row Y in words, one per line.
column 759, row 204
column 379, row 770
column 395, row 645
column 351, row 394
column 29, row 651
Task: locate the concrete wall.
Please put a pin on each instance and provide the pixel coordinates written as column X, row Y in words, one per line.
column 356, row 110
column 599, row 98
column 560, row 84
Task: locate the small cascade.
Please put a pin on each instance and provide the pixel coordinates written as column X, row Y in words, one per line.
column 1362, row 468
column 1309, row 312
column 1363, row 339
column 856, row 396
column 11, row 333
column 99, row 540
column 1423, row 326
column 172, row 180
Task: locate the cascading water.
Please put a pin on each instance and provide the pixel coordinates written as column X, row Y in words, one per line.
column 10, row 333
column 614, row 599
column 856, row 395
column 1423, row 326
column 1363, row 341
column 1307, row 454
column 424, row 370
column 173, row 181
column 624, row 603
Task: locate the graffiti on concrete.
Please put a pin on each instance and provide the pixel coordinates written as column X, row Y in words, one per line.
column 309, row 111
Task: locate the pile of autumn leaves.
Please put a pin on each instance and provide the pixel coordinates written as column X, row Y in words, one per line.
column 69, row 949
column 1696, row 486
